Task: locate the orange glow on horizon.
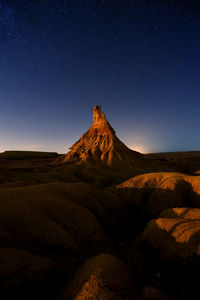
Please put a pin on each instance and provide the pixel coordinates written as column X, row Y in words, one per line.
column 139, row 148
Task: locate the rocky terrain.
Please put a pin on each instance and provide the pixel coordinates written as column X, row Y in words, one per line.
column 100, row 222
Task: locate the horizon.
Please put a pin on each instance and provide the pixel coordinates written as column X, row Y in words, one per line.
column 139, row 60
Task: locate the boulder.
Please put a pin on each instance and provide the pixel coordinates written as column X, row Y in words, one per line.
column 103, row 277
column 175, row 234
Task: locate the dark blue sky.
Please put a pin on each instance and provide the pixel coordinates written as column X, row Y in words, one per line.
column 139, row 59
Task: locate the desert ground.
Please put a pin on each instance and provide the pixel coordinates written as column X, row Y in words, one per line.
column 76, row 226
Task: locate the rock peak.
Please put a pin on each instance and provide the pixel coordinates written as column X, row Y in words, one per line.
column 98, row 116
column 100, row 145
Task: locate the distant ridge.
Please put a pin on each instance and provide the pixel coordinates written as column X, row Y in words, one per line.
column 27, row 154
column 100, row 145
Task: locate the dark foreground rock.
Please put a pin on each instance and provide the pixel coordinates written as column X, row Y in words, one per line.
column 101, row 277
column 171, row 247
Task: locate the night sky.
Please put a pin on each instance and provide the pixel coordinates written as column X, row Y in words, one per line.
column 139, row 59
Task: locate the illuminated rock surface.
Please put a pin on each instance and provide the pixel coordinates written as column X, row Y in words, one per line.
column 100, row 145
column 175, row 234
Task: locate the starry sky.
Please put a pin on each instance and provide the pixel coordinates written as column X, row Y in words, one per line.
column 139, row 59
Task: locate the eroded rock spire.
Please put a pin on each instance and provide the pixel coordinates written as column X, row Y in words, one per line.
column 98, row 116
column 100, row 145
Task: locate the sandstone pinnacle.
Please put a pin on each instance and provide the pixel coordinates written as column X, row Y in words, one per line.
column 100, row 145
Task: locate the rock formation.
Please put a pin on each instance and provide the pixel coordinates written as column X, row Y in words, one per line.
column 175, row 234
column 100, row 145
column 162, row 180
column 154, row 192
column 103, row 276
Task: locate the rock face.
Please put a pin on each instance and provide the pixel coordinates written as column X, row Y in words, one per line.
column 162, row 190
column 176, row 234
column 162, row 180
column 100, row 145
